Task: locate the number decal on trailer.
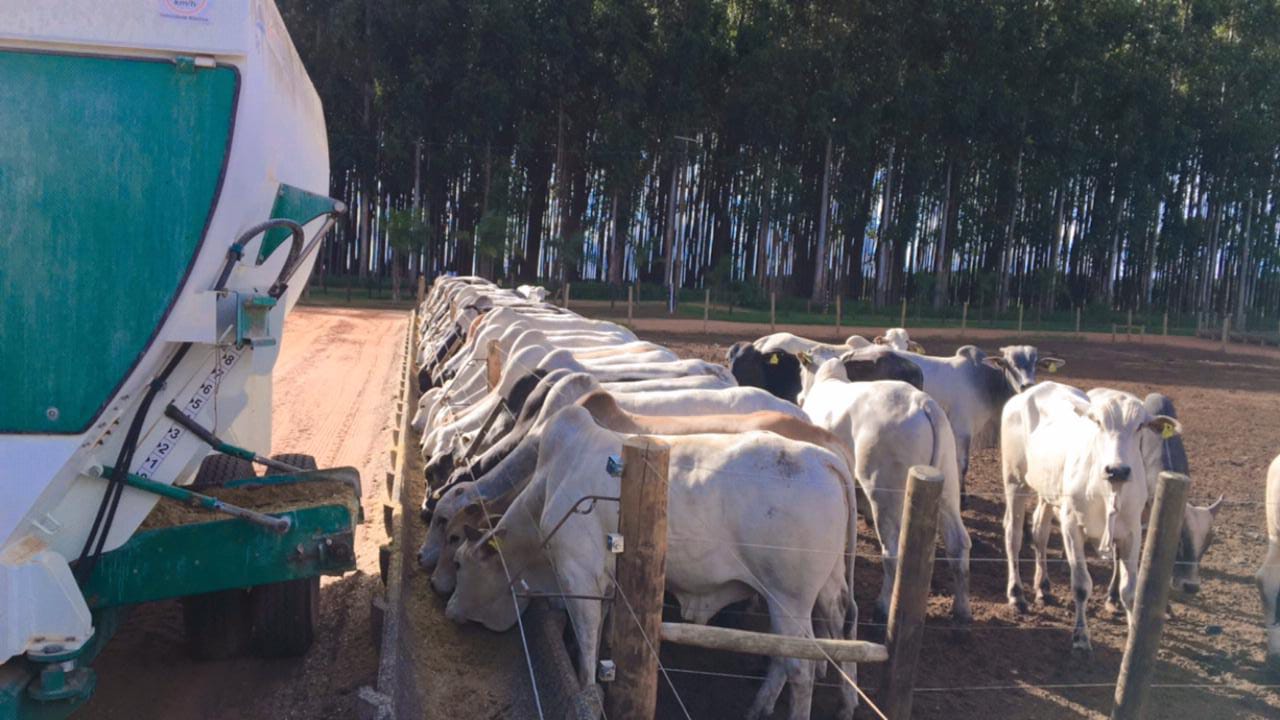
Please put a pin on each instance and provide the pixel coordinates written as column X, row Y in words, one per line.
column 203, row 393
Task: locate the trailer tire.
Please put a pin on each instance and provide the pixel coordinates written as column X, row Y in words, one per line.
column 216, row 624
column 217, row 470
column 285, row 614
column 298, row 460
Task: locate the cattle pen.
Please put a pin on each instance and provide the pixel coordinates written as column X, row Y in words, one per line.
column 716, row 683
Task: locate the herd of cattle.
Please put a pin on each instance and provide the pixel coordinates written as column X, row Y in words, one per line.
column 768, row 458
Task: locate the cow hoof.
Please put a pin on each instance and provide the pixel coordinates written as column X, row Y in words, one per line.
column 1111, row 609
column 1081, row 647
column 1019, row 605
column 1046, row 600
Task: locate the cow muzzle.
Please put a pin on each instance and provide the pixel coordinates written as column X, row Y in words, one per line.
column 1116, row 473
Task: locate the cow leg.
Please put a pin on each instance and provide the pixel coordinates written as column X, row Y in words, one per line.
column 887, row 514
column 1015, row 513
column 836, row 617
column 1113, row 590
column 1081, row 583
column 1128, row 557
column 790, row 620
column 956, row 541
column 1041, row 526
column 962, row 459
column 1268, row 579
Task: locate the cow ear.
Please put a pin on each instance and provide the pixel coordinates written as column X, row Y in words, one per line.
column 879, row 340
column 472, row 514
column 472, row 533
column 805, row 358
column 1216, row 506
column 996, row 361
column 1052, row 364
column 915, row 347
column 1164, row 426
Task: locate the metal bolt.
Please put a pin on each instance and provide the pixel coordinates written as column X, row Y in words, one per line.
column 606, row 671
column 52, row 414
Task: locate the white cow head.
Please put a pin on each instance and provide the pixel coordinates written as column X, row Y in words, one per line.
column 1197, row 536
column 1019, row 364
column 482, row 592
column 898, row 339
column 1116, row 468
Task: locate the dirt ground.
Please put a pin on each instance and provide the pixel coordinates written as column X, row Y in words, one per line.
column 1211, row 657
column 336, row 380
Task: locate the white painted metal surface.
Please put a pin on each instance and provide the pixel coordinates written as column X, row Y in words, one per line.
column 49, row 499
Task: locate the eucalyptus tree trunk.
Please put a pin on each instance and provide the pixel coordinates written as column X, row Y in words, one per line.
column 942, row 262
column 1242, row 281
column 884, row 246
column 824, row 209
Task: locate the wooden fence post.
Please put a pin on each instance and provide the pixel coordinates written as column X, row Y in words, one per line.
column 964, row 316
column 1166, row 323
column 1077, row 320
column 422, row 288
column 642, row 522
column 1226, row 330
column 1158, row 554
column 706, row 309
column 910, row 589
column 565, row 302
column 1113, row 333
column 773, row 311
column 630, row 288
column 902, row 318
column 839, row 315
column 493, row 363
column 1019, row 318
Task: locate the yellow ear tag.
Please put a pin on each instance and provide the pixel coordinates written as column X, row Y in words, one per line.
column 1053, row 367
column 493, row 543
column 1167, row 432
column 773, row 359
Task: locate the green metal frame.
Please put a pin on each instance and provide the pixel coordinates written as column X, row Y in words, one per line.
column 299, row 206
column 192, row 559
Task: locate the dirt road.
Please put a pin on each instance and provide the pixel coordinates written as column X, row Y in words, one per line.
column 336, row 379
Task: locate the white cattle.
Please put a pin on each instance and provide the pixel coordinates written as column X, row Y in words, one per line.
column 890, row 426
column 898, row 339
column 1268, row 576
column 1082, row 457
column 747, row 514
column 973, row 388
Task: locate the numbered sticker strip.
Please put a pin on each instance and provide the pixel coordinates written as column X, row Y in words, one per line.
column 203, row 395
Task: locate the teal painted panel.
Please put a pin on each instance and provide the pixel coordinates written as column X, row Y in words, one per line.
column 222, row 554
column 109, row 171
column 297, row 205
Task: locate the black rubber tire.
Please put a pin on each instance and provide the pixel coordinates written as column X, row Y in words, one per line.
column 298, row 460
column 284, row 615
column 216, row 624
column 217, row 469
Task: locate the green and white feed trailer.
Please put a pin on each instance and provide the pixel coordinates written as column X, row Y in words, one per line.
column 164, row 178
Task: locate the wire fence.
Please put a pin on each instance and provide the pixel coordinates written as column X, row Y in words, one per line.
column 844, row 680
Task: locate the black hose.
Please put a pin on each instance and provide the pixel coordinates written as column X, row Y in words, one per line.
column 105, row 517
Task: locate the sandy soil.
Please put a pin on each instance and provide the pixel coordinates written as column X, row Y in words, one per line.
column 336, row 380
column 1021, row 667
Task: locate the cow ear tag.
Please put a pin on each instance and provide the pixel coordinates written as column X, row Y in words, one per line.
column 493, row 543
column 1053, row 367
column 1167, row 432
column 773, row 359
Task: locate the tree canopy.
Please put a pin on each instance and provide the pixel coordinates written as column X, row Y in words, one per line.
column 1054, row 153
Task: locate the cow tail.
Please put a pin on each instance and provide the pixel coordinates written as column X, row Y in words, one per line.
column 934, row 412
